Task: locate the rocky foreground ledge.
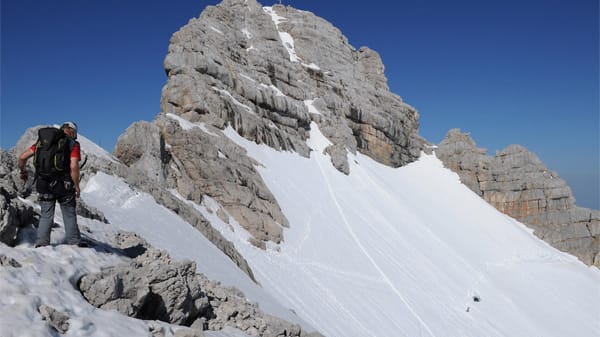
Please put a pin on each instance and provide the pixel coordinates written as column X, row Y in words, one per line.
column 153, row 286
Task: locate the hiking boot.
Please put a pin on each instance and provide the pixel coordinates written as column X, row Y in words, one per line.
column 38, row 245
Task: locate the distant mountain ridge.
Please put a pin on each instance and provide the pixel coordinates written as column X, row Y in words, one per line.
column 517, row 183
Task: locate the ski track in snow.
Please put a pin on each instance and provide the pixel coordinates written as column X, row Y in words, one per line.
column 425, row 239
column 377, row 185
column 305, row 236
column 368, row 255
column 333, row 299
column 339, row 272
column 330, row 299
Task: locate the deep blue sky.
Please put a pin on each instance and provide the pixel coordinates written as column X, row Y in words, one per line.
column 507, row 71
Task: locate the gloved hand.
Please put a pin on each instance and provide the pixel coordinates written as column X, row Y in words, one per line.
column 24, row 175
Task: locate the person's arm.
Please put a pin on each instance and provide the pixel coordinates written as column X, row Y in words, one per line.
column 75, row 174
column 22, row 161
column 74, row 166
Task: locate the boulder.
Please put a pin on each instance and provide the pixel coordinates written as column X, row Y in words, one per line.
column 56, row 319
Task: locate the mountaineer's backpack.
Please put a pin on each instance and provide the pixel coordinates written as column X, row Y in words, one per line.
column 52, row 153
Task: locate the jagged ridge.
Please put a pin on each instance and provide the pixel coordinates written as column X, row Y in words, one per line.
column 516, row 182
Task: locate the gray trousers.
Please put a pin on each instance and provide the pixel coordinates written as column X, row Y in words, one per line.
column 67, row 206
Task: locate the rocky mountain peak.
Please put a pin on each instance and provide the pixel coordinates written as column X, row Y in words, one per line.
column 260, row 70
column 268, row 72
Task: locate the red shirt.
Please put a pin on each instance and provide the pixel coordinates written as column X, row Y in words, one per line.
column 75, row 152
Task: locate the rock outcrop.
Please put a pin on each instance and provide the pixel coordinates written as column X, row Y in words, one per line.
column 14, row 214
column 258, row 70
column 155, row 287
column 197, row 163
column 516, row 182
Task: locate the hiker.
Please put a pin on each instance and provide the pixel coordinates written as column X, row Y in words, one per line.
column 56, row 160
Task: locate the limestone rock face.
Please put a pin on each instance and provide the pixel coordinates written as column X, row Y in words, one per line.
column 198, row 162
column 140, row 149
column 9, row 223
column 516, row 182
column 153, row 286
column 14, row 214
column 258, row 70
